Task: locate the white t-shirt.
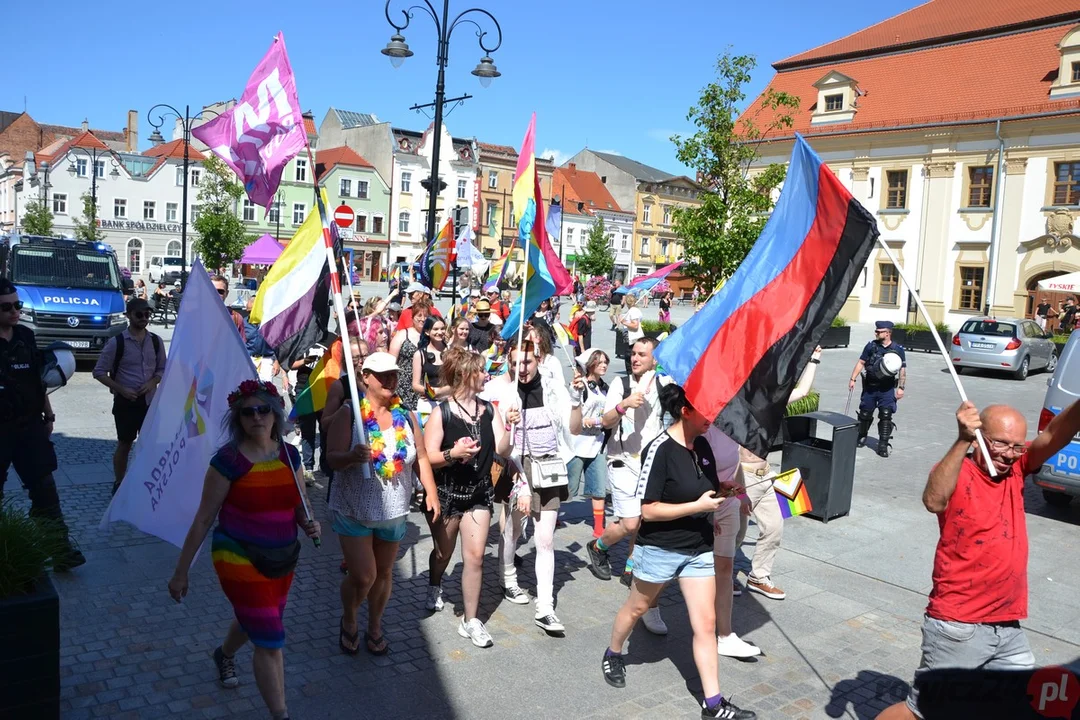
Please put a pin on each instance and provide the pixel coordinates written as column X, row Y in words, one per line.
column 588, row 443
column 638, row 426
column 632, row 314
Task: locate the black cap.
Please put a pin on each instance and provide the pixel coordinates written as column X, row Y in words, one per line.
column 137, row 303
column 884, row 325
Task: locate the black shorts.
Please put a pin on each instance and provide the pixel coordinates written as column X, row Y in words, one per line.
column 27, row 447
column 129, row 417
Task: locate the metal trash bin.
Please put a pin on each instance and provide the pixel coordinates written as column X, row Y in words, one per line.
column 827, row 464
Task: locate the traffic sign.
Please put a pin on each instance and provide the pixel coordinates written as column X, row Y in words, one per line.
column 344, row 216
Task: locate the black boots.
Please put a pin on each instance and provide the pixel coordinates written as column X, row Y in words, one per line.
column 885, row 431
column 866, row 417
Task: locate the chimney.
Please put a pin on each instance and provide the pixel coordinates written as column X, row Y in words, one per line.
column 29, row 169
column 132, row 131
column 85, row 125
column 572, row 167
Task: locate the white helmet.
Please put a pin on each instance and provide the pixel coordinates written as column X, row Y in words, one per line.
column 59, row 366
column 890, row 364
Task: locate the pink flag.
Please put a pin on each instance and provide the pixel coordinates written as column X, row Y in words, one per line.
column 265, row 130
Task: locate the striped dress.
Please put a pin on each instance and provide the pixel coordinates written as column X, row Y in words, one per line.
column 259, row 510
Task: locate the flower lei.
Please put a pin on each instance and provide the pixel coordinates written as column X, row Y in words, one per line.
column 249, row 388
column 386, row 467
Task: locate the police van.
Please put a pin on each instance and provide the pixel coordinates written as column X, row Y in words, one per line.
column 71, row 290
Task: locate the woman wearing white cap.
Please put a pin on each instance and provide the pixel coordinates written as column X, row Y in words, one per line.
column 369, row 516
column 587, row 401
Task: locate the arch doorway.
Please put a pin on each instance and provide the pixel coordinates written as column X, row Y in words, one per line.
column 1036, row 295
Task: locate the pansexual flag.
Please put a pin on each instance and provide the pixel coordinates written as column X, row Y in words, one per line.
column 741, row 355
column 437, row 258
column 326, row 372
column 791, row 493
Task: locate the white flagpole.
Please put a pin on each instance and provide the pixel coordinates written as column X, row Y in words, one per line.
column 524, row 287
column 941, row 347
column 348, row 281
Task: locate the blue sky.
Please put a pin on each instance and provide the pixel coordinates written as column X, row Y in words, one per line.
column 615, row 75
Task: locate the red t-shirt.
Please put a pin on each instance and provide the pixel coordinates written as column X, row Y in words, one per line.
column 980, row 566
column 405, row 320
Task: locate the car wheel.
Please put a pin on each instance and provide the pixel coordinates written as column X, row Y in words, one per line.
column 1051, row 364
column 1021, row 372
column 1057, row 499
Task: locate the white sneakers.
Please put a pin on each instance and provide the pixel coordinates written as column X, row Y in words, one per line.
column 434, row 602
column 734, row 646
column 653, row 622
column 474, row 630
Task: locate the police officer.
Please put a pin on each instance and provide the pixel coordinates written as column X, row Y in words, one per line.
column 26, row 421
column 883, row 366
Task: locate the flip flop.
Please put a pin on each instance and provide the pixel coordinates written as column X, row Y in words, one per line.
column 370, row 642
column 353, row 638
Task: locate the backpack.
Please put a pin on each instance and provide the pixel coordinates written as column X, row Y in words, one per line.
column 120, row 351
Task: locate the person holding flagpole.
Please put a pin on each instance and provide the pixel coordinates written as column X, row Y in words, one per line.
column 252, row 488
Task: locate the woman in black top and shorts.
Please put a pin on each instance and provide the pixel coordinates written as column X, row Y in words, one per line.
column 675, row 541
column 464, row 433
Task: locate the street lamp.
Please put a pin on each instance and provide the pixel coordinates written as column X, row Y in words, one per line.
column 45, row 183
column 187, row 121
column 398, row 50
column 93, row 154
column 279, row 203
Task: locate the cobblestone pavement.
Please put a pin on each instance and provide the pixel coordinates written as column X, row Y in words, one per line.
column 843, row 644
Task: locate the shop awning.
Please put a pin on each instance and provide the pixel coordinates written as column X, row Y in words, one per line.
column 1062, row 283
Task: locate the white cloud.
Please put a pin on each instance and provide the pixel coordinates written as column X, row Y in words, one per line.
column 559, row 155
column 609, row 152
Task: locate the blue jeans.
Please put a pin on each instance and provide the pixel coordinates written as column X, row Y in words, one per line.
column 657, row 565
column 595, row 471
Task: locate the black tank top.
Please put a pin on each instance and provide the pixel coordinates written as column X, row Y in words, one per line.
column 455, row 428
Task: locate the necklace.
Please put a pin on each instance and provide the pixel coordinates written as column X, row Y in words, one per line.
column 472, row 425
column 386, row 467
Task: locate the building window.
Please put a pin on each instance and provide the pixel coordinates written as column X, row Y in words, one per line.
column 345, row 187
column 59, row 203
column 981, row 180
column 570, row 237
column 119, row 208
column 171, row 209
column 361, row 189
column 625, row 242
column 1076, row 72
column 646, row 213
column 134, row 248
column 180, row 176
column 664, row 247
column 301, row 170
column 249, row 211
column 491, row 209
column 971, row 288
column 376, row 225
column 149, row 209
column 403, row 222
column 1067, row 183
column 644, row 247
column 173, row 249
column 897, row 195
column 406, row 182
column 275, row 213
column 834, row 103
column 888, row 284
column 80, row 167
column 493, row 179
column 193, row 214
column 513, row 178
column 461, row 187
column 196, row 174
column 361, row 223
column 667, row 215
column 299, row 210
column 99, row 168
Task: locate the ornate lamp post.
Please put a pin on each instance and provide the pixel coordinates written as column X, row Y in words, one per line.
column 93, row 155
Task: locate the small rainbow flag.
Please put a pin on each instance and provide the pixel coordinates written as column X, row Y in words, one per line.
column 498, row 272
column 791, row 493
column 436, row 259
column 326, row 372
column 566, row 335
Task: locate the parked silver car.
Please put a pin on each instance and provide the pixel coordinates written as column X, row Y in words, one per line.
column 1011, row 345
column 1059, row 478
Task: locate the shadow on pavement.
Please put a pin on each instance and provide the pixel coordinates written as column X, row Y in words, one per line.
column 851, row 692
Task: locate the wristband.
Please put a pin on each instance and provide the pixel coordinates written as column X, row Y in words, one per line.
column 620, row 409
column 446, row 456
column 815, row 361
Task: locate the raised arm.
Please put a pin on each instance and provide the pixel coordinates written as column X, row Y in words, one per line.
column 1059, row 433
column 941, row 484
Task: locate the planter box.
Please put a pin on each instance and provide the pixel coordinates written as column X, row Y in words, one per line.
column 656, row 334
column 836, row 337
column 30, row 654
column 923, row 340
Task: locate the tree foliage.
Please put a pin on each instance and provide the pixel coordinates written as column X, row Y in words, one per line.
column 37, row 218
column 719, row 233
column 222, row 236
column 86, row 227
column 597, row 258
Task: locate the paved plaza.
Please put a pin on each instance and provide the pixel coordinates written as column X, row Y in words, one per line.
column 843, row 644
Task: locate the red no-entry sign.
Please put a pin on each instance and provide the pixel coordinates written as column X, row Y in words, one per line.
column 344, row 216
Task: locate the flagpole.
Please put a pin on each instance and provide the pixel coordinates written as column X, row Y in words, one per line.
column 524, row 288
column 352, row 296
column 941, row 348
column 339, row 309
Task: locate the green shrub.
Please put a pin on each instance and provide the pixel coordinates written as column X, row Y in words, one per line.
column 27, row 546
column 655, row 327
column 943, row 328
column 808, row 404
column 839, row 322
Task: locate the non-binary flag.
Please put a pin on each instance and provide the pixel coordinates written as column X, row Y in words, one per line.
column 436, row 260
column 740, row 356
column 264, row 131
column 207, row 360
column 326, row 372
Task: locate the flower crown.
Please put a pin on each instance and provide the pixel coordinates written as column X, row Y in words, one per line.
column 249, row 388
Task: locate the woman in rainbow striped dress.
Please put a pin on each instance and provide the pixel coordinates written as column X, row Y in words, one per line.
column 252, row 489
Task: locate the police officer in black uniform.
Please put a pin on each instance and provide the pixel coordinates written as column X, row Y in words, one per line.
column 881, row 387
column 26, row 421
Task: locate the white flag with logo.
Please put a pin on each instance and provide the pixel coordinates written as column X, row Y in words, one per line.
column 207, row 360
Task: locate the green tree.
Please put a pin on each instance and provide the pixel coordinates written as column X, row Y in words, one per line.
column 597, row 258
column 222, row 237
column 719, row 233
column 86, row 227
column 37, row 218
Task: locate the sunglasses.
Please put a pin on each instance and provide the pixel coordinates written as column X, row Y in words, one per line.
column 9, row 306
column 140, row 315
column 253, row 410
column 386, row 379
column 222, row 293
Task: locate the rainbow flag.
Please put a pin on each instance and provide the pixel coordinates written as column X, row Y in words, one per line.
column 791, row 493
column 436, row 260
column 498, row 272
column 565, row 335
column 326, row 372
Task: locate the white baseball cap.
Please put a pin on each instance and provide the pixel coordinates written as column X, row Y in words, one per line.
column 380, row 362
column 417, row 287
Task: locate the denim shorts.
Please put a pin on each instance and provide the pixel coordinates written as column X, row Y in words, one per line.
column 657, row 565
column 386, row 531
column 595, row 471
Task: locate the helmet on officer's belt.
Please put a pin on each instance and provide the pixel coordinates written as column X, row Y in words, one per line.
column 890, row 364
column 58, row 366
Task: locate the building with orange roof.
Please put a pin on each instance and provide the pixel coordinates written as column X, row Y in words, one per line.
column 585, row 200
column 351, row 180
column 958, row 125
column 496, row 227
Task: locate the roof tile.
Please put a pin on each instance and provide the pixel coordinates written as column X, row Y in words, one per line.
column 174, row 149
column 581, row 186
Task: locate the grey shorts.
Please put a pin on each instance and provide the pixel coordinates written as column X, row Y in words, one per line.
column 947, row 644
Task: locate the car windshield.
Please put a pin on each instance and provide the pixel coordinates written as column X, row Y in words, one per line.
column 64, row 267
column 174, row 262
column 991, row 328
